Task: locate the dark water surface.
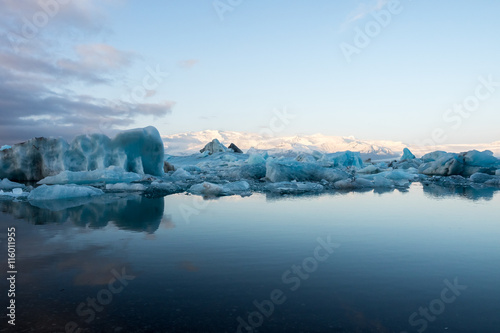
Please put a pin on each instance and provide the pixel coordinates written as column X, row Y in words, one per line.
column 423, row 260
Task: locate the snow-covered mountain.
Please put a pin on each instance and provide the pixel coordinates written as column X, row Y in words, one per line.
column 191, row 142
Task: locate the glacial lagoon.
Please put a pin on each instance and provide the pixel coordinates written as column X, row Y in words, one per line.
column 422, row 259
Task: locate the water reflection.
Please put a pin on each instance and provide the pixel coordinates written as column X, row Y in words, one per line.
column 134, row 212
column 145, row 214
column 466, row 192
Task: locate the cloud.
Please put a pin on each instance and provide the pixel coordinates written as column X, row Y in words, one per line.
column 190, row 63
column 44, row 77
column 363, row 9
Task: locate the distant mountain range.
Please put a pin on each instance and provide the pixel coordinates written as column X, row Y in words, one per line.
column 191, row 142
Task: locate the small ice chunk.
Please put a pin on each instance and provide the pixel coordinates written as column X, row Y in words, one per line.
column 229, row 158
column 4, row 147
column 17, row 191
column 256, row 159
column 479, row 177
column 214, row 147
column 350, row 184
column 6, row 184
column 346, row 159
column 58, row 192
column 370, row 169
column 294, row 187
column 216, row 190
column 407, row 155
column 125, row 187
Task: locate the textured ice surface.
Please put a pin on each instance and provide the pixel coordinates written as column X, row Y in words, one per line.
column 407, row 155
column 126, row 187
column 6, row 184
column 15, row 193
column 294, row 187
column 440, row 163
column 110, row 175
column 216, row 190
column 214, row 147
column 139, row 150
column 58, row 192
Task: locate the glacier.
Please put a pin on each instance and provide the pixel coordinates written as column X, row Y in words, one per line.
column 134, row 162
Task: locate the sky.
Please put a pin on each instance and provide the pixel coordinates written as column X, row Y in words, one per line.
column 416, row 71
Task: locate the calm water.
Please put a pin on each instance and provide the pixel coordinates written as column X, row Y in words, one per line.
column 345, row 262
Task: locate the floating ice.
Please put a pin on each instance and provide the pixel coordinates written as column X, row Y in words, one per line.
column 294, row 187
column 216, row 190
column 256, row 159
column 440, row 163
column 59, row 192
column 16, row 192
column 486, row 179
column 214, row 147
column 109, row 175
column 6, row 184
column 126, row 187
column 282, row 170
column 346, row 159
column 407, row 155
column 5, row 147
column 138, row 150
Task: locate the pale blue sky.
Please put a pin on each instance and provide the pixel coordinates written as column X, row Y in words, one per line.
column 231, row 74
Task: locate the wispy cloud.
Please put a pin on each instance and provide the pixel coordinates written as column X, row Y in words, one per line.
column 190, row 63
column 362, row 10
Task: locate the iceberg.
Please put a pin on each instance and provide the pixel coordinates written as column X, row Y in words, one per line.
column 441, row 163
column 407, row 155
column 216, row 190
column 15, row 193
column 214, row 147
column 138, row 150
column 6, row 184
column 110, row 175
column 283, row 170
column 125, row 187
column 294, row 187
column 58, row 192
column 482, row 178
